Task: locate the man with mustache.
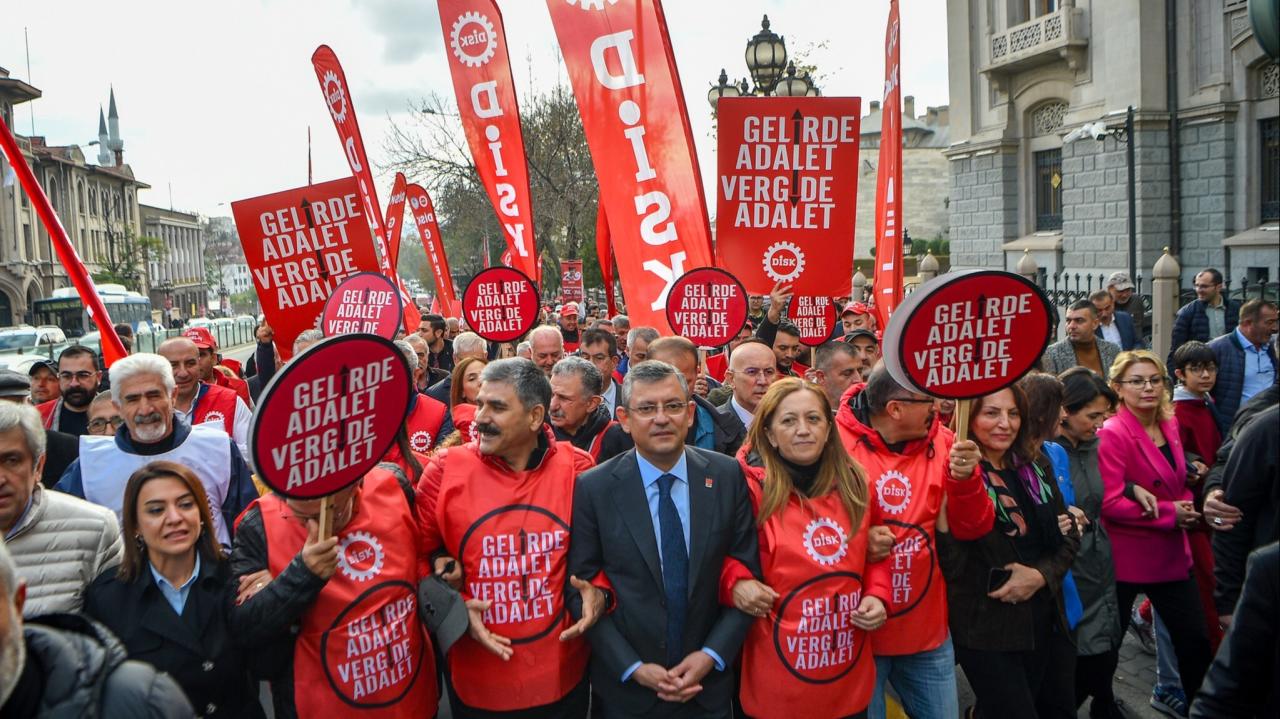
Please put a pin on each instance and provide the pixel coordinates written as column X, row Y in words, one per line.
column 143, row 391
column 501, row 506
column 202, row 402
column 578, row 416
column 78, row 378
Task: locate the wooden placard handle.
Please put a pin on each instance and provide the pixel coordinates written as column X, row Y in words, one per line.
column 962, row 419
column 326, row 517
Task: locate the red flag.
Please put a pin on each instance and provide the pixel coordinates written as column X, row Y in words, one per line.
column 486, row 97
column 112, row 347
column 618, row 57
column 485, row 247
column 395, row 212
column 888, row 274
column 333, row 84
column 505, row 259
column 424, row 216
column 604, row 253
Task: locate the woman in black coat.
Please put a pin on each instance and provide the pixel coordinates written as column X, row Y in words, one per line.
column 169, row 598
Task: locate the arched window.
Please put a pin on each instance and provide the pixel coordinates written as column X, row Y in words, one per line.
column 80, row 193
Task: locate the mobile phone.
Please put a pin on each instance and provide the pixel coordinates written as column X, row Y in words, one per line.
column 997, row 577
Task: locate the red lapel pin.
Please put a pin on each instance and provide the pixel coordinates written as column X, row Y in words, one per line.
column 709, row 482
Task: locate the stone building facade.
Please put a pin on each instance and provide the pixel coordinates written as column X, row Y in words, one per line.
column 1025, row 73
column 97, row 205
column 924, row 174
column 177, row 282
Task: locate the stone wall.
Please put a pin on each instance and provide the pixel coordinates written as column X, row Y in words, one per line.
column 984, row 208
column 1206, row 160
column 924, row 173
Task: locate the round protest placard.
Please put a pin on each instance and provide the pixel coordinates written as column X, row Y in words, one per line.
column 330, row 415
column 708, row 306
column 366, row 302
column 967, row 334
column 500, row 304
column 815, row 317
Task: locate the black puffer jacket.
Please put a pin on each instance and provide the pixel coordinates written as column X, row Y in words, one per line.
column 586, row 434
column 85, row 672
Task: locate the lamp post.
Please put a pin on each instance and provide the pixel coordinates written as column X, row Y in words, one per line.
column 772, row 73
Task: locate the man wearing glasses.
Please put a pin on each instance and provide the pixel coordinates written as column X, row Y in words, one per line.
column 78, row 378
column 752, row 368
column 104, row 418
column 1211, row 314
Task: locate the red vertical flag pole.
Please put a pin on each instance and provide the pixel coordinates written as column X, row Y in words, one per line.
column 888, row 259
column 604, row 253
column 112, row 347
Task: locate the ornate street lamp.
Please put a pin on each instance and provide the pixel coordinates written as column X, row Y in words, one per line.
column 766, row 57
column 723, row 89
column 791, row 85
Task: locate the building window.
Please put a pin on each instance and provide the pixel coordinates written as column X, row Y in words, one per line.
column 1269, row 132
column 1048, row 184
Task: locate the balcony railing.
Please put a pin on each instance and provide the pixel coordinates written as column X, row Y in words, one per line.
column 1059, row 35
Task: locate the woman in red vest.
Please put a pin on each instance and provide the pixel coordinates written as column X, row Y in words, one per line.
column 809, row 652
column 463, row 388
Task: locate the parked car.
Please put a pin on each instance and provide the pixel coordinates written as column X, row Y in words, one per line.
column 25, row 337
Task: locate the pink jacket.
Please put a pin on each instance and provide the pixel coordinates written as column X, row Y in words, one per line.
column 1143, row 549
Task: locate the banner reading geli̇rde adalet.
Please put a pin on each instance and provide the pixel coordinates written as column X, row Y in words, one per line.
column 476, row 48
column 787, row 192
column 299, row 244
column 618, row 57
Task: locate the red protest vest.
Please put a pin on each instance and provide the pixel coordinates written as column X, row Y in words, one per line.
column 216, row 404
column 908, row 490
column 239, row 386
column 424, row 423
column 46, row 412
column 464, row 419
column 807, row 657
column 511, row 533
column 362, row 649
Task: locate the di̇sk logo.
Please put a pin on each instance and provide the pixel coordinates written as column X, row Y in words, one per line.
column 360, row 556
column 336, row 96
column 783, row 261
column 213, row 416
column 893, row 491
column 825, row 541
column 420, row 441
column 473, row 40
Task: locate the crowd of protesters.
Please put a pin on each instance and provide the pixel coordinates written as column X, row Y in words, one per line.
column 601, row 520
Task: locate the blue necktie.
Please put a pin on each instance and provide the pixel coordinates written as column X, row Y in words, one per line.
column 675, row 569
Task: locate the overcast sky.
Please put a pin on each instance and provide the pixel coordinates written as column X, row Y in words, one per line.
column 215, row 98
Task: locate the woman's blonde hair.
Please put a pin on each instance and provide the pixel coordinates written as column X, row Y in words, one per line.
column 1125, row 360
column 838, row 471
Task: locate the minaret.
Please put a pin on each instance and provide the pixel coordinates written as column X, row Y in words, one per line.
column 104, row 151
column 113, row 124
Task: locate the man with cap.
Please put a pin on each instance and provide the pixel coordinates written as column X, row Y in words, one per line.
column 201, row 402
column 78, row 379
column 44, row 381
column 857, row 316
column 60, row 449
column 569, row 326
column 208, row 359
column 1121, row 287
column 866, row 347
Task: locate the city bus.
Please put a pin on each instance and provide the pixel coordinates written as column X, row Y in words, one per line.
column 64, row 309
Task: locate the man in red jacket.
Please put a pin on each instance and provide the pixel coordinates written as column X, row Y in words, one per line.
column 497, row 513
column 924, row 482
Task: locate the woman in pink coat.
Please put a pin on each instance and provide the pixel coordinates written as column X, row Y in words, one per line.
column 1140, row 446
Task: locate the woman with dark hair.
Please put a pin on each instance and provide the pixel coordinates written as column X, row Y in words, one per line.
column 1005, row 588
column 809, row 650
column 1141, row 446
column 1086, row 401
column 463, row 388
column 169, row 597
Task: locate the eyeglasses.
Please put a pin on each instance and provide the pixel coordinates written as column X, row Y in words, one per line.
column 81, row 376
column 1201, row 369
column 670, row 409
column 100, row 423
column 1143, row 383
column 754, row 373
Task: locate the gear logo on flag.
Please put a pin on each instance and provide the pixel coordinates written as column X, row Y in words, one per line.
column 893, row 491
column 360, row 556
column 825, row 541
column 783, row 261
column 473, row 40
column 590, row 4
column 335, row 96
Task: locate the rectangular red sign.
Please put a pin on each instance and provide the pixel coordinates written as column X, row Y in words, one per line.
column 787, row 192
column 571, row 280
column 299, row 244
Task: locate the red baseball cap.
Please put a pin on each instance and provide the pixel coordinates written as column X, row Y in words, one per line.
column 569, row 308
column 202, row 337
column 857, row 308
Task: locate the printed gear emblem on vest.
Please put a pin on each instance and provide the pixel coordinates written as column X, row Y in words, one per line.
column 333, row 94
column 370, row 556
column 790, row 260
column 489, row 39
column 420, row 441
column 214, row 415
column 818, row 543
column 893, row 491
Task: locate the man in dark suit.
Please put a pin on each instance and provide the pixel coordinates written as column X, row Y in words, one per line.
column 1115, row 326
column 669, row 515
